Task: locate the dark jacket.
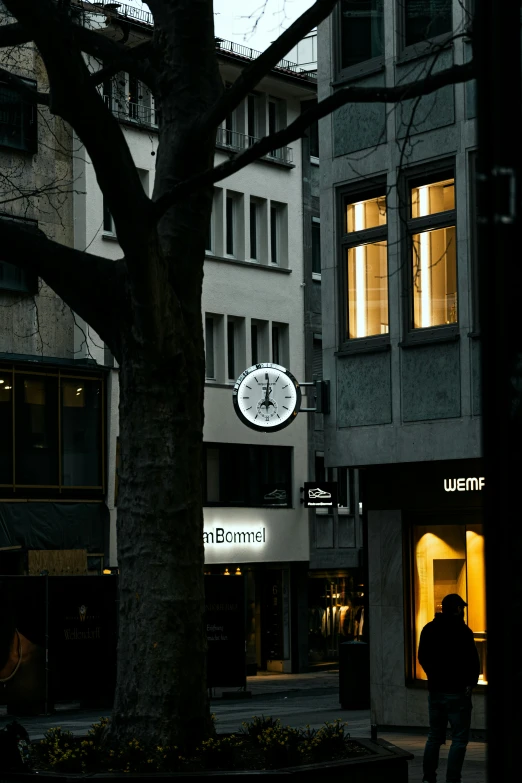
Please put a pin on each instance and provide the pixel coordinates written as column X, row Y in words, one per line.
column 448, row 655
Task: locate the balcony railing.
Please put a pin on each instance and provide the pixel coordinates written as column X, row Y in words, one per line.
column 145, row 17
column 132, row 112
column 122, row 9
column 233, row 140
column 253, row 54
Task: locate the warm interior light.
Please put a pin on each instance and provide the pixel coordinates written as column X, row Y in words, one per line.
column 79, row 389
column 360, row 264
column 227, row 572
column 7, row 387
column 106, row 570
column 424, row 252
column 2, row 380
column 238, row 571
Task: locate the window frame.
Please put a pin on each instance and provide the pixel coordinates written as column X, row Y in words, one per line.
column 349, row 195
column 420, row 47
column 414, row 177
column 246, row 451
column 59, row 488
column 28, row 281
column 278, row 233
column 28, row 120
column 371, row 65
column 315, row 222
column 210, row 320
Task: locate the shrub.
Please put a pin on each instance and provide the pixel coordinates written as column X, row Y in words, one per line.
column 263, row 743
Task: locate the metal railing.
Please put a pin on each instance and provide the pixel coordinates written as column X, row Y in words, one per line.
column 234, row 140
column 127, row 11
column 139, row 15
column 253, row 54
column 131, row 111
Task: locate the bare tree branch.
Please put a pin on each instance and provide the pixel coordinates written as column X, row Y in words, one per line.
column 73, row 275
column 133, row 60
column 74, row 98
column 13, row 35
column 433, row 82
column 28, row 93
column 252, row 75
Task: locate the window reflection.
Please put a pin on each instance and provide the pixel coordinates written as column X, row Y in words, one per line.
column 81, row 432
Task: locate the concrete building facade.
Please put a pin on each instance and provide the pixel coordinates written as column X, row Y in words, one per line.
column 401, row 341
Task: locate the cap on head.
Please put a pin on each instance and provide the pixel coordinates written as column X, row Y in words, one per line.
column 451, row 602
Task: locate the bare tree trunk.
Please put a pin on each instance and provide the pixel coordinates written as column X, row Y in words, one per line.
column 161, row 689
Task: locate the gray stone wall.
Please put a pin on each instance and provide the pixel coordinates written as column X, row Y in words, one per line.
column 37, row 187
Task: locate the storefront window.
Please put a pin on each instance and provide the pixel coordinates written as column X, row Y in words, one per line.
column 335, row 615
column 449, row 559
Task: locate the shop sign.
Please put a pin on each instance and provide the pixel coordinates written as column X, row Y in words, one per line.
column 322, row 494
column 221, row 536
column 464, row 484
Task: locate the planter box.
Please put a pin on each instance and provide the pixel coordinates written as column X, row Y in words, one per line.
column 387, row 764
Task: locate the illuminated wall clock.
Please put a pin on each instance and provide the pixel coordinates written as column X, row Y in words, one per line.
column 266, row 397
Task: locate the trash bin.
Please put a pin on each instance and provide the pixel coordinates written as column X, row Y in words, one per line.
column 354, row 676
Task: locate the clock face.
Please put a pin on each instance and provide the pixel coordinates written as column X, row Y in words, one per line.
column 267, row 397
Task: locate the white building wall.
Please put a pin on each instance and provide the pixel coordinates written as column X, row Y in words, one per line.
column 244, row 291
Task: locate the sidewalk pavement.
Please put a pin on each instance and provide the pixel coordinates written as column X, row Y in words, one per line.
column 269, row 685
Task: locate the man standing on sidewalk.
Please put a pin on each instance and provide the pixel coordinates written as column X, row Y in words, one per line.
column 448, row 655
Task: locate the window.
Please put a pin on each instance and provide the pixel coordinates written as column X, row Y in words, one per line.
column 316, row 246
column 210, row 369
column 12, row 278
column 313, row 135
column 280, row 344
column 425, row 19
column 317, row 357
column 276, row 345
column 448, row 559
column 254, row 250
column 365, row 268
column 231, row 350
column 276, row 122
column 243, row 475
column 362, row 31
column 139, row 102
column 258, row 341
column 17, row 120
column 236, row 354
column 56, row 421
column 433, row 254
column 81, row 433
column 130, row 99
column 278, row 233
column 254, row 341
column 6, row 426
column 230, row 209
column 255, row 108
column 108, row 223
column 234, row 225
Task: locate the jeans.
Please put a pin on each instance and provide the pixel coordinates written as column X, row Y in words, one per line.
column 455, row 708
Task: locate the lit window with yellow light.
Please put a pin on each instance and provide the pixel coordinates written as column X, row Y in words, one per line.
column 434, row 254
column 367, row 268
column 449, row 559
